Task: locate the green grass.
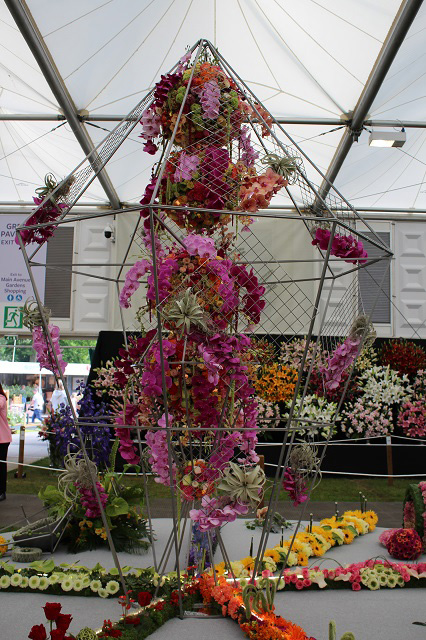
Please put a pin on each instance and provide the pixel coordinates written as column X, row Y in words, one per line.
column 329, row 490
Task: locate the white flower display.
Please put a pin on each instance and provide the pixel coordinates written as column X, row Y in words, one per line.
column 78, row 584
column 103, row 593
column 34, row 582
column 67, row 584
column 4, row 582
column 44, row 583
column 95, row 585
column 112, row 587
column 384, row 385
column 15, row 580
column 317, row 410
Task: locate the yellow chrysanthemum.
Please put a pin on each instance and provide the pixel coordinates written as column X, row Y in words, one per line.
column 302, row 559
column 272, row 553
column 248, row 562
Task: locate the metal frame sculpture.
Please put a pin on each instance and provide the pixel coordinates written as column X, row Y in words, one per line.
column 209, row 285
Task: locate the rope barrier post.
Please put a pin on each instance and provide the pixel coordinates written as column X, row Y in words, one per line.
column 20, row 473
column 389, row 460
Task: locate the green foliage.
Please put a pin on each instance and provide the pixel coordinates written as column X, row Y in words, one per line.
column 348, row 635
column 25, row 353
column 255, row 599
column 54, row 500
column 117, row 507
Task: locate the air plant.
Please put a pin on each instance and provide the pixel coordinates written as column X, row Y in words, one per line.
column 243, row 484
column 186, row 311
column 363, row 329
column 32, row 315
column 79, row 471
column 284, row 167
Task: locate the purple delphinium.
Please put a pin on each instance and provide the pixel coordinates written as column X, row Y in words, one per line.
column 199, row 546
column 96, row 433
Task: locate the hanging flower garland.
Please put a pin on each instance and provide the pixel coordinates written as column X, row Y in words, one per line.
column 346, row 247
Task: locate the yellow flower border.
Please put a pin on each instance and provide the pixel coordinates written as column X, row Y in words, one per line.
column 330, row 531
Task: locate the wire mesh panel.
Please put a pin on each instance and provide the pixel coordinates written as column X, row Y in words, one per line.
column 218, row 302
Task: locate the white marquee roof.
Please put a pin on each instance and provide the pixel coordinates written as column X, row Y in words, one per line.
column 308, row 60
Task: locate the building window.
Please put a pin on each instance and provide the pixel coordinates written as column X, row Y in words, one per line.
column 60, row 250
column 375, row 280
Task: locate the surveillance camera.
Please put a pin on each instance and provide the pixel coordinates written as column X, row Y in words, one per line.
column 109, row 232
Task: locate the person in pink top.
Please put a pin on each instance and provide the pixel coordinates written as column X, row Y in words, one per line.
column 5, row 440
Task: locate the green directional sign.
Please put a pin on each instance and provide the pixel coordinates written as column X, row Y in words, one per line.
column 12, row 318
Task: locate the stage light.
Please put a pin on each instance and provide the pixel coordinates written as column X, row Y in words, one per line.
column 387, row 138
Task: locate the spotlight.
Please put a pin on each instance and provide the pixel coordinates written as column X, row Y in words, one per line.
column 387, row 138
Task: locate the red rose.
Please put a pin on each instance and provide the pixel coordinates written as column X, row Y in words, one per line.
column 135, row 620
column 63, row 621
column 52, row 610
column 38, row 632
column 57, row 634
column 144, row 598
column 159, row 606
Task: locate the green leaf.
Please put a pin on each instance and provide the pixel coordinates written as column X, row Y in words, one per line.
column 9, row 568
column 114, row 572
column 352, row 529
column 126, row 467
column 117, row 507
column 43, row 566
column 98, row 567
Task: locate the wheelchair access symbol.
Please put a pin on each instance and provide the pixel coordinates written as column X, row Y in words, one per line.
column 12, row 318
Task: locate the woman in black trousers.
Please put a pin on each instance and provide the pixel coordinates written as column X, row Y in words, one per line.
column 5, row 440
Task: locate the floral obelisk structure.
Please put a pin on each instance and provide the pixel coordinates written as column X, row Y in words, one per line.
column 205, row 286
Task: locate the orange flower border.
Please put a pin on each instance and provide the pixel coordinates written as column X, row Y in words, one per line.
column 261, row 626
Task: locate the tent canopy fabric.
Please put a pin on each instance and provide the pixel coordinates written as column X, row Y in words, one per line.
column 308, row 61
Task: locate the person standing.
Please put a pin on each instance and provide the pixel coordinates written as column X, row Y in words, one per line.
column 5, row 440
column 37, row 404
column 58, row 397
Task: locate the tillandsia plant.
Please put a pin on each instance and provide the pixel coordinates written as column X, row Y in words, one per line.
column 51, row 210
column 303, row 462
column 284, row 166
column 243, row 484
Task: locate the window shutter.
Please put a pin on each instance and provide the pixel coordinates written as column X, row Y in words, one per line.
column 60, row 250
column 376, row 279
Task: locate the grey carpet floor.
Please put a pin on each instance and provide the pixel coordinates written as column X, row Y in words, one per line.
column 380, row 615
column 390, row 513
